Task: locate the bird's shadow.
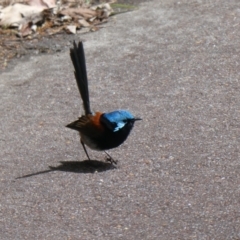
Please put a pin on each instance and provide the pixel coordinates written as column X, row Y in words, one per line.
column 86, row 166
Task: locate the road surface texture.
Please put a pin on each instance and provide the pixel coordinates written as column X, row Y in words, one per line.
column 173, row 63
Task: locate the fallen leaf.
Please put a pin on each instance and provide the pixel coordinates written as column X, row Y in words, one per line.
column 83, row 23
column 71, row 29
column 17, row 14
column 42, row 3
column 79, row 12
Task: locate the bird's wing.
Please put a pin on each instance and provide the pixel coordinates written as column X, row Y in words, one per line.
column 88, row 125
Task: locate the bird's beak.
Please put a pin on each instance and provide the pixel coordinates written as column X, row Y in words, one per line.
column 137, row 119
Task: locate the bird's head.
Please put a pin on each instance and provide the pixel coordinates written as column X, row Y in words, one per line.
column 118, row 120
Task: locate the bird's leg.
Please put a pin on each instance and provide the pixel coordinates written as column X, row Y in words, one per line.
column 85, row 150
column 110, row 159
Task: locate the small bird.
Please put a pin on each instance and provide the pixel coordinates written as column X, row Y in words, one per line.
column 99, row 131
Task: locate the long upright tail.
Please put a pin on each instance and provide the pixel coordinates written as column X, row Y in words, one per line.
column 78, row 60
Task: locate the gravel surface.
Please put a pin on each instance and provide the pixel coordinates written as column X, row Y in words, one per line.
column 173, row 63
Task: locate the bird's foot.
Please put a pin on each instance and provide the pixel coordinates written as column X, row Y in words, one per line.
column 111, row 160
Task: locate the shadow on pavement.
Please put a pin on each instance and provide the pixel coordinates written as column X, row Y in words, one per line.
column 87, row 166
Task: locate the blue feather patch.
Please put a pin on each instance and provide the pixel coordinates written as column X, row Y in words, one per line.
column 118, row 119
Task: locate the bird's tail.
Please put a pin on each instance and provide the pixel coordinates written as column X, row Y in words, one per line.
column 78, row 60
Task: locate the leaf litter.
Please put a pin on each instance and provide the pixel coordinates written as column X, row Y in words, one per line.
column 31, row 20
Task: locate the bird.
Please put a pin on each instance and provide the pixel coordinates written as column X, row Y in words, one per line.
column 99, row 131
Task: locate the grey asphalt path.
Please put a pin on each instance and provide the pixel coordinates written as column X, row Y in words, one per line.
column 173, row 63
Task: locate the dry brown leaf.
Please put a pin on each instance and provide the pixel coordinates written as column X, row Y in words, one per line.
column 78, row 12
column 83, row 23
column 25, row 30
